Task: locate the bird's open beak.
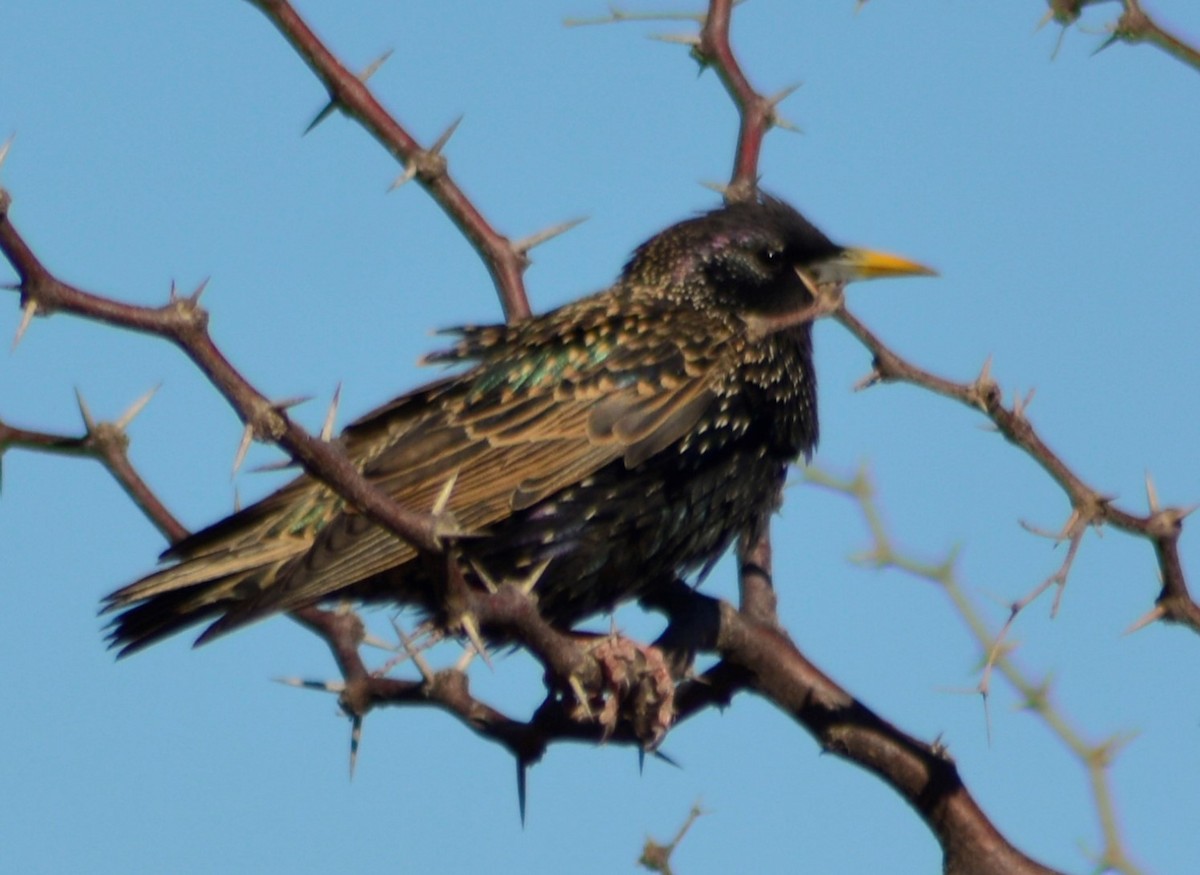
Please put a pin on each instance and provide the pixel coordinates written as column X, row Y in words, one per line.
column 864, row 264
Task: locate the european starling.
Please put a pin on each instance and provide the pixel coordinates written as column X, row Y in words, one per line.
column 597, row 451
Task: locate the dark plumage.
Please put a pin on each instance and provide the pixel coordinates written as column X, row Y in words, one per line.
column 603, row 448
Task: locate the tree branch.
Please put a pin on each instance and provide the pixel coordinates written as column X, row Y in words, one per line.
column 1134, row 25
column 504, row 261
column 1161, row 527
column 184, row 323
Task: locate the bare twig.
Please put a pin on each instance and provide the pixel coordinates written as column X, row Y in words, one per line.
column 657, row 857
column 1095, row 757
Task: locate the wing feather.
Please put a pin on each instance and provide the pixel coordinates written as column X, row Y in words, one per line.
column 515, row 430
column 501, row 461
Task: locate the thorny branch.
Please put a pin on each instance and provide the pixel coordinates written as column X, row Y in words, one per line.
column 183, row 322
column 755, row 653
column 505, row 261
column 1134, row 25
column 108, row 443
column 1162, row 526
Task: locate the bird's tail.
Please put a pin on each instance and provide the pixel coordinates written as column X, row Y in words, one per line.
column 200, row 587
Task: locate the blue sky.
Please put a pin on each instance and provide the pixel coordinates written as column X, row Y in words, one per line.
column 1057, row 196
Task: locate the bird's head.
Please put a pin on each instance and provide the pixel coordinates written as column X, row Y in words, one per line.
column 756, row 258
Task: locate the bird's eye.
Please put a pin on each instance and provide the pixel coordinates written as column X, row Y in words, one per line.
column 770, row 257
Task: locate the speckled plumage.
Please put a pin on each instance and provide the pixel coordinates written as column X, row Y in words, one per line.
column 605, row 447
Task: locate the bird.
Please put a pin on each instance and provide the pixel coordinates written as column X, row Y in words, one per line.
column 592, row 453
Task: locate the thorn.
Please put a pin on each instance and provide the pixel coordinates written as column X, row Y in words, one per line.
column 27, row 314
column 983, row 385
column 616, row 15
column 484, row 577
column 718, row 187
column 429, row 163
column 321, row 686
column 472, row 629
column 1155, row 614
column 1062, row 37
column 526, row 586
column 290, row 402
column 521, row 770
column 443, row 498
column 785, row 124
column 401, row 655
column 173, row 292
column 446, row 527
column 682, row 39
column 641, row 761
column 1113, row 39
column 135, row 408
column 527, row 243
column 1151, row 494
column 372, row 68
column 440, row 143
column 415, row 655
column 464, row 662
column 356, row 725
column 985, row 373
column 670, row 761
column 376, row 641
column 410, row 172
column 773, row 102
column 194, row 297
column 783, row 94
column 268, row 467
column 243, row 448
column 1044, row 20
column 937, row 746
column 1056, row 537
column 1020, row 405
column 5, row 147
column 327, row 110
column 868, row 381
column 331, row 414
column 88, row 422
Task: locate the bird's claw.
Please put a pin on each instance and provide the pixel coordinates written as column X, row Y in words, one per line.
column 636, row 689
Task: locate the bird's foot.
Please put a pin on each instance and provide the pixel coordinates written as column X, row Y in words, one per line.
column 637, row 689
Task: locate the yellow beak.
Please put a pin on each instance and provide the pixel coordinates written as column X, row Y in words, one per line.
column 864, row 264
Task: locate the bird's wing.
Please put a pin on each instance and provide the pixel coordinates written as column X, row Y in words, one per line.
column 526, row 421
column 499, row 442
